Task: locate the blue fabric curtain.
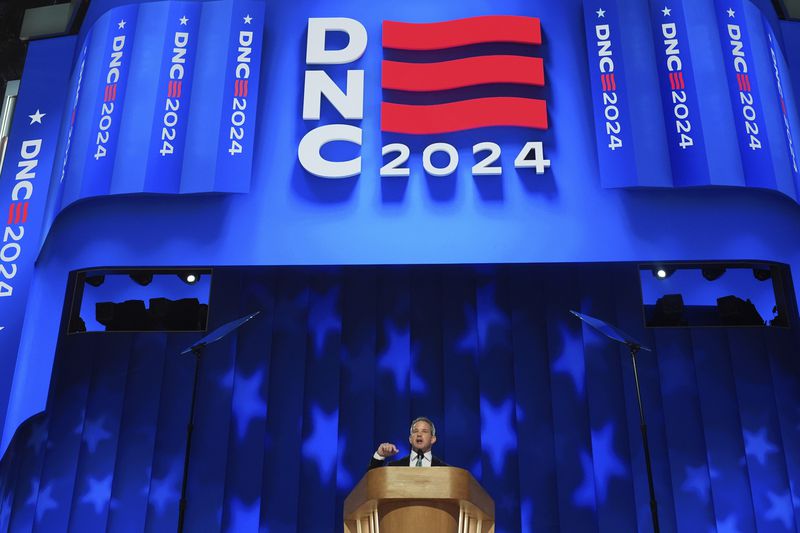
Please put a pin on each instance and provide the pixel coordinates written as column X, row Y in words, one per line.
column 541, row 409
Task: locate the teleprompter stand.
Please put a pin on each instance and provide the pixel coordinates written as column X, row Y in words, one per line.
column 197, row 350
column 634, row 346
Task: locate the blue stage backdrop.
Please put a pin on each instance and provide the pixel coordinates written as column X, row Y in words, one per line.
column 227, row 98
column 539, row 408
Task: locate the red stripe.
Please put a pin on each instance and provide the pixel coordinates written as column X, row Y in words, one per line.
column 461, row 32
column 739, row 81
column 604, row 82
column 462, row 73
column 237, row 88
column 680, row 77
column 613, row 82
column 105, row 95
column 169, row 89
column 672, row 80
column 464, row 115
column 114, row 92
column 747, row 82
column 18, row 214
column 179, row 86
column 246, row 87
column 10, row 214
column 25, row 212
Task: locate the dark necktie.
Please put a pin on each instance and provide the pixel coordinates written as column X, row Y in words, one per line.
column 419, row 459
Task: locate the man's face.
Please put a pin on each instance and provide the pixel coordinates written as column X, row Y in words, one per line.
column 421, row 438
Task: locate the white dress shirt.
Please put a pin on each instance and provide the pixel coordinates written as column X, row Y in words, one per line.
column 426, row 459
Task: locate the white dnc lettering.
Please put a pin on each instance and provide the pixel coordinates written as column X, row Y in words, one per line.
column 11, row 248
column 349, row 103
column 172, row 104
column 116, row 59
column 239, row 104
column 110, row 97
column 680, row 110
column 609, row 86
column 743, row 82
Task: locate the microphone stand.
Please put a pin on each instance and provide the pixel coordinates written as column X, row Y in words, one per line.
column 197, row 349
column 634, row 347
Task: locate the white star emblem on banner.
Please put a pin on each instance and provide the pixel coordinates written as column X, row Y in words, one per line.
column 121, row 24
column 667, row 11
column 731, row 13
column 36, row 118
column 601, row 13
column 247, row 19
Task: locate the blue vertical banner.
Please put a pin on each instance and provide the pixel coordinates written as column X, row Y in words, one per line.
column 24, row 186
column 240, row 97
column 615, row 150
column 781, row 86
column 105, row 125
column 745, row 94
column 168, row 138
column 65, row 144
column 678, row 88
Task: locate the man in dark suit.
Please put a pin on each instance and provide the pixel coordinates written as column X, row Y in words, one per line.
column 422, row 438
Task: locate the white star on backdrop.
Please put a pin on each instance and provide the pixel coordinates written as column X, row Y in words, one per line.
column 247, row 19
column 780, row 508
column 121, row 24
column 601, row 13
column 36, row 118
column 758, row 445
column 667, row 11
column 98, row 493
column 728, row 525
column 244, row 517
column 247, row 404
column 731, row 13
column 183, row 20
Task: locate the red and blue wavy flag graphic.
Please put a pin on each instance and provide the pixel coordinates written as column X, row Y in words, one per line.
column 462, row 114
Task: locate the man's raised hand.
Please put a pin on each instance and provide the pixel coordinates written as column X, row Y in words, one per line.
column 387, row 449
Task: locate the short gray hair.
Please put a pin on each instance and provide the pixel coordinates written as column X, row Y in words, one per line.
column 423, row 419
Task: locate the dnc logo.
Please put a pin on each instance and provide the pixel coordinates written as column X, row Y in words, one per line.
column 417, row 75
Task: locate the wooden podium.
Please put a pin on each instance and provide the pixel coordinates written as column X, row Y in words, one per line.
column 419, row 500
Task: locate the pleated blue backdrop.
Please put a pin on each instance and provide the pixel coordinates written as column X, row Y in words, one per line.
column 539, row 408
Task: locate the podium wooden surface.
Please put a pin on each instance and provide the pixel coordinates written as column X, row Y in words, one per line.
column 419, row 500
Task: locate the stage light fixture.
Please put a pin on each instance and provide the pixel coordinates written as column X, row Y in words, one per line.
column 662, row 272
column 762, row 274
column 713, row 272
column 190, row 278
column 95, row 281
column 143, row 278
